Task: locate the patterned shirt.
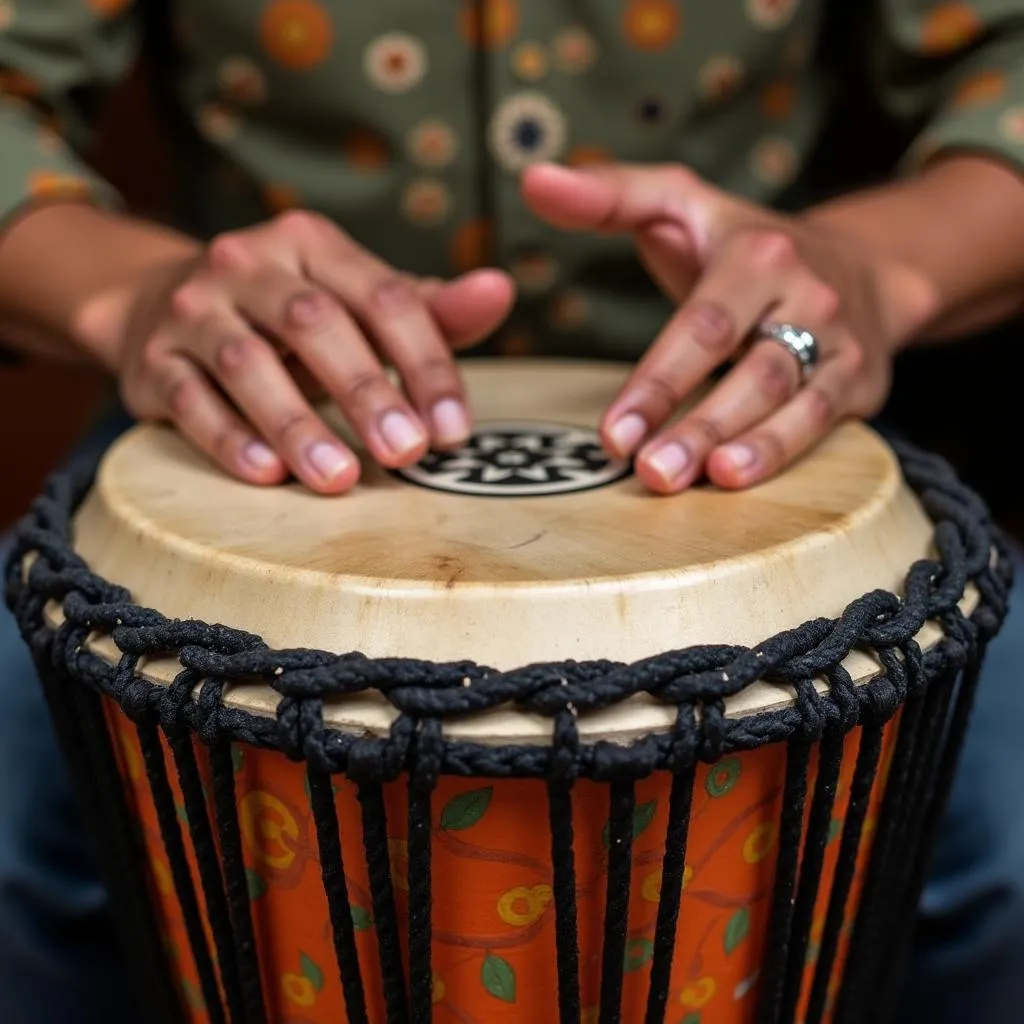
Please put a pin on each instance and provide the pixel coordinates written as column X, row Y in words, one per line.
column 408, row 121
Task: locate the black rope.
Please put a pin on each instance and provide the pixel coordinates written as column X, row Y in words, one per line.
column 332, row 868
column 181, row 874
column 208, row 863
column 695, row 681
column 673, row 868
column 236, row 883
column 621, row 805
column 378, row 863
column 830, row 760
column 861, row 787
column 773, row 971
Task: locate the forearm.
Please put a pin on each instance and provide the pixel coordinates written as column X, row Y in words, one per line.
column 959, row 223
column 67, row 272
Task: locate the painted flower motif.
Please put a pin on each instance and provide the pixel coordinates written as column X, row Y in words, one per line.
column 472, row 244
column 527, row 128
column 437, row 988
column 55, row 185
column 575, row 50
column 1011, row 124
column 530, row 62
column 722, row 777
column 984, row 87
column 770, row 14
column 298, row 989
column 949, row 27
column 652, row 24
column 698, row 993
column 760, row 842
column 6, row 14
column 241, row 81
column 366, row 150
column 269, row 829
column 280, row 197
column 521, row 906
column 719, row 77
column 568, row 312
column 426, row 202
column 395, row 62
column 296, row 33
column 744, row 988
column 216, row 122
column 490, row 23
column 534, row 271
column 774, row 160
column 778, row 99
column 432, row 144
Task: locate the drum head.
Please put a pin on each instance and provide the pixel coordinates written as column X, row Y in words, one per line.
column 530, row 544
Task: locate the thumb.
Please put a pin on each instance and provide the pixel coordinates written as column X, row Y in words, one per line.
column 470, row 307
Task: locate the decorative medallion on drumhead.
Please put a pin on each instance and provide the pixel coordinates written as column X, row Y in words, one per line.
column 520, row 459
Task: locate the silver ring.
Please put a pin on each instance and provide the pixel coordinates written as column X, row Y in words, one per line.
column 800, row 342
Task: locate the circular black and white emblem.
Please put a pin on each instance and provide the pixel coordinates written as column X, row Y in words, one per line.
column 520, row 459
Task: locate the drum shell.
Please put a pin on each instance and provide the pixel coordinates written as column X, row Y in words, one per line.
column 493, row 951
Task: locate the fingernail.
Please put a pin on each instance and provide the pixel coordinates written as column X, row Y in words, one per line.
column 327, row 459
column 740, row 456
column 669, row 461
column 400, row 434
column 627, row 433
column 451, row 422
column 259, row 456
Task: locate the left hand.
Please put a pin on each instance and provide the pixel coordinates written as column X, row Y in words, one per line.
column 731, row 265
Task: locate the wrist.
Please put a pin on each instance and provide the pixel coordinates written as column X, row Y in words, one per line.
column 74, row 272
column 940, row 243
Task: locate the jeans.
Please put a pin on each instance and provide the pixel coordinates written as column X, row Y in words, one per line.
column 59, row 962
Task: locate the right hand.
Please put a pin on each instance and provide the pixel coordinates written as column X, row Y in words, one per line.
column 229, row 345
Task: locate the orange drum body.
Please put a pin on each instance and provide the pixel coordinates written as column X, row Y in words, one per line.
column 493, row 915
column 505, row 738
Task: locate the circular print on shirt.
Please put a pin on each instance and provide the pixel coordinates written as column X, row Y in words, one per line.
column 511, row 459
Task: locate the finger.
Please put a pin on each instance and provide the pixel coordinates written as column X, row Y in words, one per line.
column 206, row 420
column 469, row 308
column 331, row 345
column 766, row 378
column 668, row 254
column 621, row 198
column 750, row 276
column 401, row 325
column 255, row 379
column 788, row 433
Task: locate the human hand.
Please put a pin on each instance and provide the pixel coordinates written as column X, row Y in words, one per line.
column 730, row 266
column 228, row 345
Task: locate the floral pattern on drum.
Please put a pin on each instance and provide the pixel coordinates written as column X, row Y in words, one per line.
column 493, row 914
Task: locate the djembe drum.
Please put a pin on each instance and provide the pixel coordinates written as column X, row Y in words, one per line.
column 708, row 798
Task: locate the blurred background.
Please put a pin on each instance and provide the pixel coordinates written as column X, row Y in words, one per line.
column 963, row 400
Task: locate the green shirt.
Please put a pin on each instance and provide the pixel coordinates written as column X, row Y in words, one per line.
column 408, row 121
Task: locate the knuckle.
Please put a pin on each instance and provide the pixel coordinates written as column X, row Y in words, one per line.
column 770, row 249
column 361, row 388
column 232, row 350
column 182, row 392
column 230, row 251
column 712, row 327
column 435, row 368
column 151, row 357
column 187, row 301
column 303, row 224
column 293, row 423
column 393, row 294
column 705, row 429
column 773, row 448
column 775, row 374
column 660, row 392
column 821, row 409
column 823, row 302
column 855, row 358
